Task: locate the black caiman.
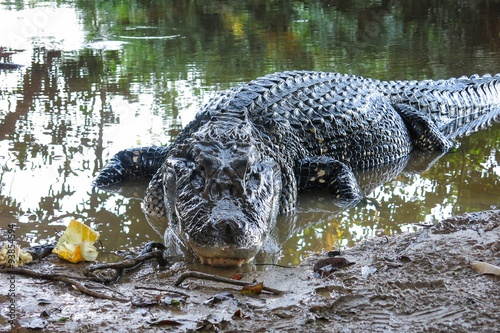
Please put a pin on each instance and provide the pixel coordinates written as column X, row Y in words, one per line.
column 250, row 150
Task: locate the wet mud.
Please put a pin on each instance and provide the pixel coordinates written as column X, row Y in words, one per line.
column 413, row 282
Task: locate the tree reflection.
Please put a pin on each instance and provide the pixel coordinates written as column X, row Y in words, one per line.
column 234, row 41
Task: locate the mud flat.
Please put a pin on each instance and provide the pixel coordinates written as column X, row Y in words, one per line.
column 413, row 282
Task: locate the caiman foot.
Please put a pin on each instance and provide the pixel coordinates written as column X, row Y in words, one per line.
column 424, row 133
column 156, row 247
column 323, row 171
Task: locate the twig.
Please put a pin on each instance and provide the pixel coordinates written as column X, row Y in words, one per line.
column 275, row 265
column 163, row 289
column 127, row 263
column 203, row 276
column 131, row 263
column 62, row 278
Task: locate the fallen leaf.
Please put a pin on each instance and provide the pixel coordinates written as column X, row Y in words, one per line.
column 327, row 266
column 253, row 289
column 485, row 268
column 282, row 313
column 240, row 314
column 175, row 302
column 164, row 322
column 45, row 313
column 219, row 298
column 42, row 301
column 37, row 324
column 207, row 326
column 77, row 243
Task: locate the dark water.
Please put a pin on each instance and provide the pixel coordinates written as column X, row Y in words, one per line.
column 100, row 76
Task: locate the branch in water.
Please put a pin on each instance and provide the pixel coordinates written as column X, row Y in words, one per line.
column 203, row 276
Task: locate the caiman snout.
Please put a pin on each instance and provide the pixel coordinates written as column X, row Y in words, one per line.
column 227, row 227
column 227, row 241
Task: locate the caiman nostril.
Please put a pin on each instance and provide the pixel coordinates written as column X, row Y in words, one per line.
column 227, row 226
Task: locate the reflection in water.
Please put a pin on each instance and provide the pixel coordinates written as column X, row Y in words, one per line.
column 99, row 77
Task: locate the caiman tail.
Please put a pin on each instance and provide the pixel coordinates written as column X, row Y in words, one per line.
column 457, row 107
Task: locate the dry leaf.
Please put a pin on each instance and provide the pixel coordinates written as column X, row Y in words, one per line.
column 164, row 322
column 219, row 298
column 253, row 289
column 239, row 314
column 485, row 268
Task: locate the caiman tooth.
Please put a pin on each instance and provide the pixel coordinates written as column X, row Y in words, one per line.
column 223, row 262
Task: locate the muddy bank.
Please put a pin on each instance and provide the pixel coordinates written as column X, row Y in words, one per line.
column 420, row 281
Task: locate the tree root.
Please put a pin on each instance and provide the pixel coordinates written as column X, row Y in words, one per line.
column 127, row 264
column 67, row 279
column 164, row 290
column 203, row 276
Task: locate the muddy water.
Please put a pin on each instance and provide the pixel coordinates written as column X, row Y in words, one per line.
column 97, row 77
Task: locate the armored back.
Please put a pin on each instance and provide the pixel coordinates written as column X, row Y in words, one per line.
column 458, row 107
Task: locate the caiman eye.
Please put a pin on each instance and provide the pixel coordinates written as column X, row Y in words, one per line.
column 198, row 178
column 180, row 166
column 209, row 163
column 253, row 180
column 171, row 180
column 258, row 175
column 240, row 167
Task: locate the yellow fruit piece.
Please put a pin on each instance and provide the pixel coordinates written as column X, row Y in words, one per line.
column 77, row 243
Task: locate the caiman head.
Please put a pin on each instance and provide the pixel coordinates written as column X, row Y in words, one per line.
column 222, row 197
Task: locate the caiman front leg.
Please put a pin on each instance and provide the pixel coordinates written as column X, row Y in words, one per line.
column 425, row 135
column 323, row 171
column 143, row 161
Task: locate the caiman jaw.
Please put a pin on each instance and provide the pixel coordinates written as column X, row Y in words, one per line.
column 220, row 261
column 223, row 262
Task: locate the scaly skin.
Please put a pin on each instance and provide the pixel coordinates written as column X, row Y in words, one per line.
column 249, row 151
